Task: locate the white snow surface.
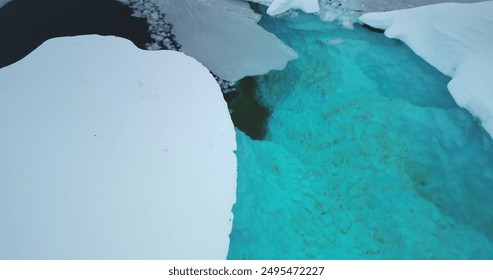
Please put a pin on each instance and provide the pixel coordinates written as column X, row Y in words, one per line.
column 346, row 12
column 390, row 5
column 225, row 37
column 3, row 2
column 277, row 7
column 111, row 152
column 457, row 39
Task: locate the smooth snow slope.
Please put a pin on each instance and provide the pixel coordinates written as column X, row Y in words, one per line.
column 111, row 152
column 457, row 39
column 225, row 37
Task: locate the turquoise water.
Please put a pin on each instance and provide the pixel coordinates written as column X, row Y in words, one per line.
column 366, row 156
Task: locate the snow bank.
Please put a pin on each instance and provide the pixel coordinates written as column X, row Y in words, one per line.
column 277, row 7
column 111, row 152
column 225, row 37
column 457, row 39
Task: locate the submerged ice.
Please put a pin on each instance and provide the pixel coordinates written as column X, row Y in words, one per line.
column 366, row 156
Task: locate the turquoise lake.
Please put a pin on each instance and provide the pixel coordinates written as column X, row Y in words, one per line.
column 366, row 156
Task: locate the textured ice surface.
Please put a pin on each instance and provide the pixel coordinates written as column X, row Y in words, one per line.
column 225, row 37
column 111, row 152
column 367, row 156
column 457, row 39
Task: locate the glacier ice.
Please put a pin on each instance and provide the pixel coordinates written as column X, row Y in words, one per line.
column 106, row 154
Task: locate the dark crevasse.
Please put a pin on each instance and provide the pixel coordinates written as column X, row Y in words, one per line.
column 366, row 156
column 26, row 24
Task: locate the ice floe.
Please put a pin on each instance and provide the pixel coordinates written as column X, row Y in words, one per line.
column 224, row 36
column 111, row 152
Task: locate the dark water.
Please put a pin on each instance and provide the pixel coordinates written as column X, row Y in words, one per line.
column 248, row 113
column 26, row 24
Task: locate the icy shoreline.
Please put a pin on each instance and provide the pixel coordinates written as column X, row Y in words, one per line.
column 457, row 39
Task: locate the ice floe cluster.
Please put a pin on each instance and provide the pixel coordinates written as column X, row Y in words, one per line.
column 336, row 10
column 277, row 7
column 159, row 28
column 161, row 31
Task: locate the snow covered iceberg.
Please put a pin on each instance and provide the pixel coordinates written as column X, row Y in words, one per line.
column 457, row 39
column 111, row 152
